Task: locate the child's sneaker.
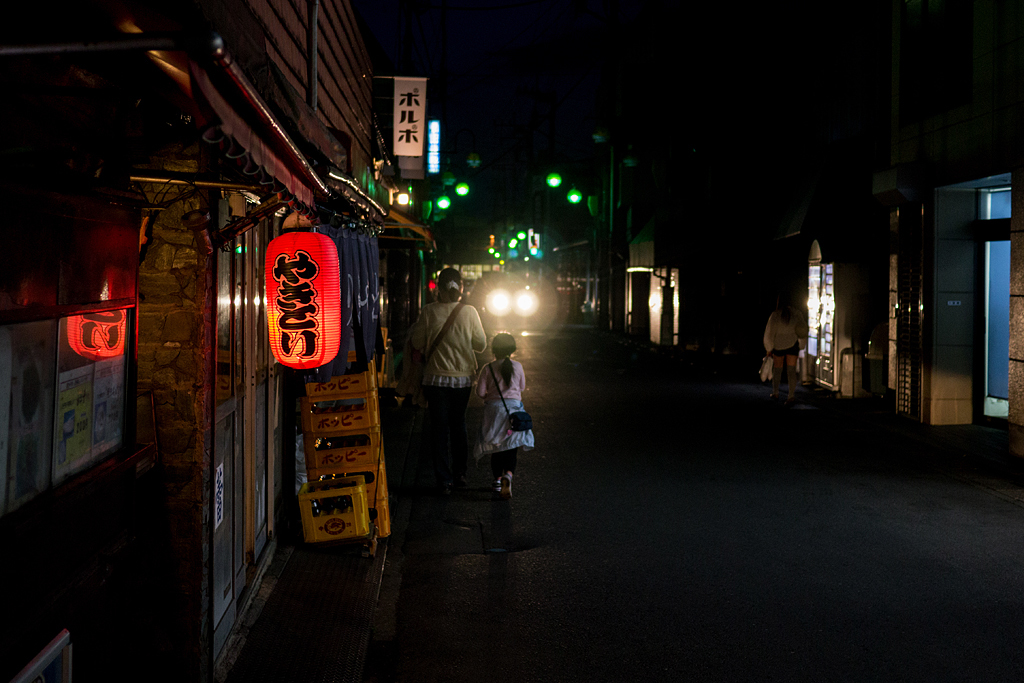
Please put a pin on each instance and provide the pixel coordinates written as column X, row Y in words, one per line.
column 506, row 485
column 497, row 485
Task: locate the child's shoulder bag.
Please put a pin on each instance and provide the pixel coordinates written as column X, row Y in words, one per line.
column 519, row 421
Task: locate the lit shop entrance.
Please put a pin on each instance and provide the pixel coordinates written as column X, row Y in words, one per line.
column 969, row 376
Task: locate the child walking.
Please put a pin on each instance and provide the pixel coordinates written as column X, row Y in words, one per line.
column 503, row 378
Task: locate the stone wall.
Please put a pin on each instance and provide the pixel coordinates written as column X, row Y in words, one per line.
column 176, row 362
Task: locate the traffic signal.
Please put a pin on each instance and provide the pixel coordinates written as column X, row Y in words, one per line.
column 574, row 196
column 533, row 244
column 462, row 189
column 554, row 180
column 443, row 202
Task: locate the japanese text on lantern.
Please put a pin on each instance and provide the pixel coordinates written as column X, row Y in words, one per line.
column 297, row 306
column 303, row 299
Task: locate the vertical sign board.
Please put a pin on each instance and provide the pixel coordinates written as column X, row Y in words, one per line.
column 410, row 112
column 433, row 146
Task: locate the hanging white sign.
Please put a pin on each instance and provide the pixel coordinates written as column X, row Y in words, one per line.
column 410, row 113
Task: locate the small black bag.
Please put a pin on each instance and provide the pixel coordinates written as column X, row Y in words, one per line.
column 519, row 421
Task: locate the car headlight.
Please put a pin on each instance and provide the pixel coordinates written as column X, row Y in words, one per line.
column 499, row 302
column 525, row 302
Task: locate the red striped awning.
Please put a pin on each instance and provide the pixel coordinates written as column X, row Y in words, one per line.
column 256, row 156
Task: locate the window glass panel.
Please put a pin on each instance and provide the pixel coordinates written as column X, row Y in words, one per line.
column 27, row 363
column 993, row 203
column 239, row 301
column 261, row 311
column 89, row 422
column 224, row 287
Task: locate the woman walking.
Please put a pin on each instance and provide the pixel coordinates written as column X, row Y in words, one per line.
column 448, row 334
column 501, row 384
column 784, row 336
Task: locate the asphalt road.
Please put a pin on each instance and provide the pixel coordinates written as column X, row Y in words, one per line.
column 675, row 528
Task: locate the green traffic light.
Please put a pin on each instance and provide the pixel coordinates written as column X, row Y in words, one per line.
column 521, row 236
column 574, row 196
column 443, row 202
column 554, row 180
column 462, row 189
column 512, row 243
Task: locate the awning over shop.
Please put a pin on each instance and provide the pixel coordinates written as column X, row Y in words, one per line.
column 641, row 249
column 256, row 141
column 345, row 187
column 793, row 220
column 397, row 220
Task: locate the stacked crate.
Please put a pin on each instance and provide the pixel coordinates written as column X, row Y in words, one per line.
column 344, row 461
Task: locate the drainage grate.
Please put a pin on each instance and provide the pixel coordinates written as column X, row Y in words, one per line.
column 316, row 624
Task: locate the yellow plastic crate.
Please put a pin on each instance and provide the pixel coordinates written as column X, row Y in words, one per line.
column 342, row 452
column 334, row 510
column 383, row 521
column 319, row 419
column 356, row 385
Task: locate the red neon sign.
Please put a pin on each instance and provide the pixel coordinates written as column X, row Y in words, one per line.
column 98, row 336
column 303, row 299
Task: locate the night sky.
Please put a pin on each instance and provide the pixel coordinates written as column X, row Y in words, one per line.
column 757, row 89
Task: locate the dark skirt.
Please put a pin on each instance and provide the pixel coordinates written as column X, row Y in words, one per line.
column 793, row 350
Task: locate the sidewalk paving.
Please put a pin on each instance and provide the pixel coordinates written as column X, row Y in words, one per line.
column 315, row 617
column 312, row 617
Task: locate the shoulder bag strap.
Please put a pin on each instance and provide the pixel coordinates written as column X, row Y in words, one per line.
column 498, row 387
column 444, row 331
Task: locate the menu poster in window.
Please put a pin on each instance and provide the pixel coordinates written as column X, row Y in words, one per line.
column 107, row 398
column 31, row 411
column 74, row 417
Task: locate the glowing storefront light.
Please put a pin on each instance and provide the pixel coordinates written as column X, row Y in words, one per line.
column 813, row 308
column 303, row 296
column 98, row 336
column 433, row 146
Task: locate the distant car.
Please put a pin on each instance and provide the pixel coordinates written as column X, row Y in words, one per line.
column 504, row 301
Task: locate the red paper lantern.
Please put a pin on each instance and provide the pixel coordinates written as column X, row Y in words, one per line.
column 98, row 336
column 303, row 299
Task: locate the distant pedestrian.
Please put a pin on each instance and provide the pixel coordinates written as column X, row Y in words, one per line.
column 784, row 336
column 501, row 379
column 447, row 336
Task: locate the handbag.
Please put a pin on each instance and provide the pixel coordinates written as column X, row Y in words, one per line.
column 519, row 421
column 767, row 368
column 412, row 375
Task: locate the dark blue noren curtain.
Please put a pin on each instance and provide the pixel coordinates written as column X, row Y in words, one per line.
column 359, row 261
column 340, row 362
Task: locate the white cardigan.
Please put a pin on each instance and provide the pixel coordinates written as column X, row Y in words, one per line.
column 779, row 335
